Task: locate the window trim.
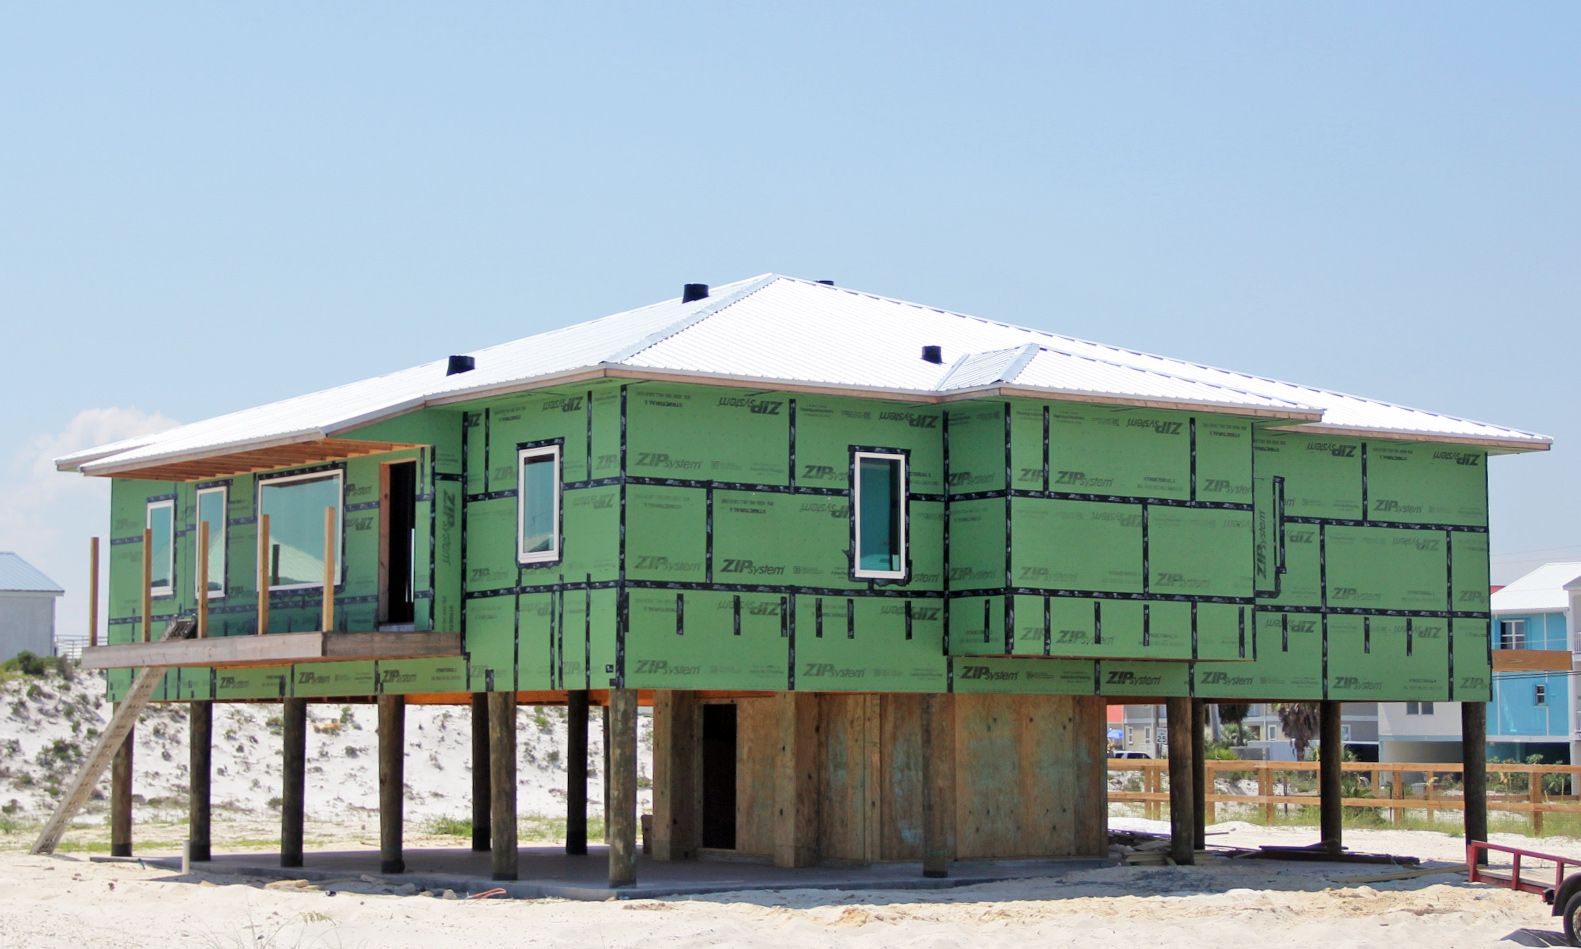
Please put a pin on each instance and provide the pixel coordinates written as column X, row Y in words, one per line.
column 894, row 456
column 1512, row 642
column 553, row 554
column 169, row 505
column 339, row 476
column 197, row 519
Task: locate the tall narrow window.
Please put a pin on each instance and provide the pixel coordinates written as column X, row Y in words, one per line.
column 1540, row 695
column 538, row 505
column 878, row 503
column 211, row 511
column 162, row 547
column 295, row 505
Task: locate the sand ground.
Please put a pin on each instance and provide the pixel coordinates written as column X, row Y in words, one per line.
column 70, row 901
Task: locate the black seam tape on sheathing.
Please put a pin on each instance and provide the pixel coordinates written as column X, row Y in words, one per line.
column 1097, row 622
column 735, row 615
column 708, row 536
column 1094, row 498
column 1370, row 611
column 1284, row 632
column 850, row 618
column 988, row 620
column 817, row 618
column 1241, row 631
column 1449, row 572
column 790, row 644
column 1147, row 625
column 680, row 614
column 1366, row 502
column 1389, row 525
column 1323, row 636
column 587, row 448
column 1192, row 440
column 516, row 635
column 1322, row 564
column 553, row 652
column 1366, row 635
column 1410, row 634
column 1090, row 595
column 1097, row 677
column 1146, row 567
column 1045, row 448
column 488, row 442
column 1048, row 628
column 908, row 620
column 1279, row 520
column 1193, row 629
column 791, row 447
column 587, row 636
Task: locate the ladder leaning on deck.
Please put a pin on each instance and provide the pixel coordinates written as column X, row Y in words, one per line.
column 121, row 722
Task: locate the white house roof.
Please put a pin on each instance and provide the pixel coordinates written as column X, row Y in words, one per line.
column 19, row 576
column 1541, row 591
column 775, row 330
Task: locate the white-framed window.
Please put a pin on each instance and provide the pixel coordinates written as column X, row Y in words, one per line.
column 538, row 504
column 161, row 523
column 878, row 506
column 1539, row 695
column 1344, row 732
column 1512, row 634
column 211, row 511
column 295, row 505
column 1419, row 708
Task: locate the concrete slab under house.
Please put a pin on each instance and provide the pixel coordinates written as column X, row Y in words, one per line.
column 877, row 568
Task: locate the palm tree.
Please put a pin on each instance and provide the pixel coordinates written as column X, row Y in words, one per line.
column 1299, row 721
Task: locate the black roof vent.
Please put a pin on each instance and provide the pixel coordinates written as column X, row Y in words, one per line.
column 460, row 364
column 933, row 354
column 827, row 283
column 693, row 292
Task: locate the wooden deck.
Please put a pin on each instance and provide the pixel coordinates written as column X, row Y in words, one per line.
column 273, row 649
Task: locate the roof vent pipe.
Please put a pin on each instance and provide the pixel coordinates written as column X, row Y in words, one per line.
column 459, row 364
column 933, row 354
column 693, row 292
column 827, row 283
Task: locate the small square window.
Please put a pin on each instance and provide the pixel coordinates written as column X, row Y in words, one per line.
column 878, row 503
column 161, row 524
column 538, row 505
column 1512, row 634
column 1540, row 695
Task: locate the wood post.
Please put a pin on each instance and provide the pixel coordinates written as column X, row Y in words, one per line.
column 329, row 569
column 200, row 747
column 1397, row 795
column 1534, row 785
column 201, row 587
column 1331, row 756
column 480, row 772
column 392, row 781
column 148, row 585
column 121, row 797
column 293, row 780
column 263, row 574
column 677, row 755
column 1199, row 772
column 576, row 772
column 1182, row 809
column 502, row 784
column 622, row 787
column 1265, row 790
column 1474, row 757
column 938, row 783
column 93, row 591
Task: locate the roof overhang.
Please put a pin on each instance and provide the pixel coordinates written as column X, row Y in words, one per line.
column 285, row 451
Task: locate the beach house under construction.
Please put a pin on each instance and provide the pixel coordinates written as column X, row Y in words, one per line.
column 877, row 567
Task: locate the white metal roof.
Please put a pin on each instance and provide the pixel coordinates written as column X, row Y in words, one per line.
column 775, row 330
column 19, row 576
column 1541, row 591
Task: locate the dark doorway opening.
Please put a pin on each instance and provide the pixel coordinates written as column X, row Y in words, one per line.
column 399, row 520
column 719, row 777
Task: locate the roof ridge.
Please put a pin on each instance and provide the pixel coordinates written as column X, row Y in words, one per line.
column 751, row 286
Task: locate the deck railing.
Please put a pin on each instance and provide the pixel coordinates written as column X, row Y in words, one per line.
column 1392, row 787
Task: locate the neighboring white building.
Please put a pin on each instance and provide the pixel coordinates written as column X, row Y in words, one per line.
column 1419, row 731
column 27, row 608
column 1145, row 729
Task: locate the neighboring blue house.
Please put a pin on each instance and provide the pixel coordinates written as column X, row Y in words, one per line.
column 1534, row 703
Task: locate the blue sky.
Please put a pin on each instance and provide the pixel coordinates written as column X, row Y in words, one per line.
column 204, row 207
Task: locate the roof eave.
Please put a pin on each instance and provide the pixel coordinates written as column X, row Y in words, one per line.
column 1101, row 398
column 1509, row 444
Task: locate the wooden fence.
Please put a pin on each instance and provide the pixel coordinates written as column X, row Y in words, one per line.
column 1393, row 786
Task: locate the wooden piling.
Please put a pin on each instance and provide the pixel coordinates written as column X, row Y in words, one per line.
column 576, row 772
column 480, row 771
column 392, row 781
column 622, row 787
column 1474, row 758
column 329, row 570
column 677, row 760
column 1199, row 772
column 502, row 784
column 148, row 585
column 201, row 588
column 93, row 591
column 938, row 783
column 1331, row 756
column 263, row 574
column 1182, row 809
column 603, row 717
column 121, row 797
column 200, row 747
column 293, row 786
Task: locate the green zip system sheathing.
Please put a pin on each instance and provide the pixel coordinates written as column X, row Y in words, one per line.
column 1053, row 547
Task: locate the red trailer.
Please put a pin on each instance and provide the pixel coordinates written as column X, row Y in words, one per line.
column 1558, row 889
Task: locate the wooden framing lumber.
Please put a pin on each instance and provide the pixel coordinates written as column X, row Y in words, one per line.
column 293, row 773
column 676, row 763
column 392, row 782
column 576, row 772
column 622, row 787
column 1331, row 756
column 329, row 570
column 480, row 772
column 274, row 649
column 263, row 575
column 202, row 585
column 938, row 784
column 1474, row 774
column 502, row 785
column 1182, row 810
column 93, row 591
column 262, row 459
column 121, row 796
column 200, row 751
column 1531, row 660
column 147, row 620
